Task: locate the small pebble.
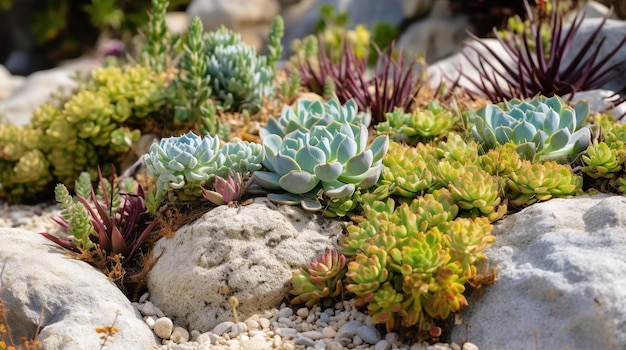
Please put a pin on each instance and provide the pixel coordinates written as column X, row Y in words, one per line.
column 382, row 345
column 320, row 345
column 315, row 335
column 194, row 334
column 163, row 327
column 287, row 322
column 469, row 346
column 304, row 341
column 356, row 340
column 150, row 321
column 455, row 346
column 264, row 323
column 179, row 335
column 285, row 312
column 328, row 332
column 223, row 327
column 144, row 297
column 369, row 334
column 286, row 332
column 252, row 324
column 335, row 346
column 303, row 312
column 237, row 329
column 204, row 338
column 148, row 309
column 324, row 317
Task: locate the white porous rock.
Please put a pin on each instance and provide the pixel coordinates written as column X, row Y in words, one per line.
column 67, row 298
column 251, row 19
column 247, row 252
column 561, row 279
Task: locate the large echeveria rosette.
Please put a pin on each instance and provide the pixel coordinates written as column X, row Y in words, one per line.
column 334, row 159
column 183, row 163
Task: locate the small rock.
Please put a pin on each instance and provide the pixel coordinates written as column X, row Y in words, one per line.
column 257, row 342
column 252, row 324
column 304, row 341
column 324, row 317
column 223, row 327
column 180, row 335
column 328, row 332
column 356, row 340
column 195, row 334
column 315, row 335
column 455, row 346
column 204, row 338
column 163, row 328
column 287, row 322
column 285, row 312
column 237, row 329
column 320, row 345
column 148, row 309
column 469, row 346
column 286, row 332
column 150, row 321
column 335, row 346
column 369, row 334
column 264, row 323
column 418, row 346
column 303, row 312
column 144, row 298
column 382, row 345
column 347, row 332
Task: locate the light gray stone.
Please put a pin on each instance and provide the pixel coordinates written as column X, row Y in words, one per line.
column 561, row 279
column 8, row 82
column 600, row 101
column 414, row 8
column 67, row 298
column 248, row 252
column 163, row 327
column 251, row 19
column 434, row 37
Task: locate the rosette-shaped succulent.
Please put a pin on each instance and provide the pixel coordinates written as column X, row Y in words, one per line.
column 183, row 163
column 240, row 79
column 435, row 209
column 241, row 157
column 602, row 161
column 501, row 161
column 542, row 128
column 334, row 159
column 467, row 239
column 425, row 123
column 540, row 182
column 457, row 149
column 307, row 114
column 322, row 279
column 227, row 190
column 407, row 169
column 478, row 194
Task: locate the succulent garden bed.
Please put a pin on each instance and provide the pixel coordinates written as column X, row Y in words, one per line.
column 418, row 175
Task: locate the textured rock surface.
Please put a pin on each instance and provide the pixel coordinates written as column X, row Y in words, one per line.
column 39, row 284
column 247, row 252
column 561, row 279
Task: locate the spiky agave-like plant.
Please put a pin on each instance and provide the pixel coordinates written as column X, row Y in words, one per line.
column 528, row 69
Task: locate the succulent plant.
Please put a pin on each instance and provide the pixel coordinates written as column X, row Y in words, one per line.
column 424, row 123
column 322, row 279
column 602, row 161
column 240, row 79
column 527, row 68
column 306, row 114
column 334, row 159
column 241, row 157
column 95, row 221
column 183, row 163
column 540, row 182
column 478, row 194
column 542, row 128
column 411, row 261
column 455, row 148
column 407, row 169
column 501, row 161
column 227, row 190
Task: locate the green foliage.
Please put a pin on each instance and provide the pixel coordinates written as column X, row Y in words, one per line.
column 321, row 279
column 540, row 182
column 601, row 161
column 407, row 169
column 542, row 128
column 240, row 79
column 410, row 268
column 427, row 123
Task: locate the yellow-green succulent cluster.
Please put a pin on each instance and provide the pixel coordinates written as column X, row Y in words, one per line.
column 411, row 262
column 542, row 181
column 423, row 124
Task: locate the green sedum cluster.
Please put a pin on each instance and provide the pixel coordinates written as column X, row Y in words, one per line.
column 424, row 124
column 411, row 262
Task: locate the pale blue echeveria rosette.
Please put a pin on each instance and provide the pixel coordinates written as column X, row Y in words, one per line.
column 333, row 160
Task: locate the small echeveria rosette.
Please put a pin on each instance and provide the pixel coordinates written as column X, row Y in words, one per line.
column 183, row 163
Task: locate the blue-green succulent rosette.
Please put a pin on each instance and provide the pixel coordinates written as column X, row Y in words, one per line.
column 333, row 160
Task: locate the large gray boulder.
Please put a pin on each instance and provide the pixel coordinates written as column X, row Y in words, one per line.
column 248, row 252
column 561, row 279
column 67, row 298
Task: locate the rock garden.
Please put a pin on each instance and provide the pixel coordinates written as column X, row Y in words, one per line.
column 231, row 182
